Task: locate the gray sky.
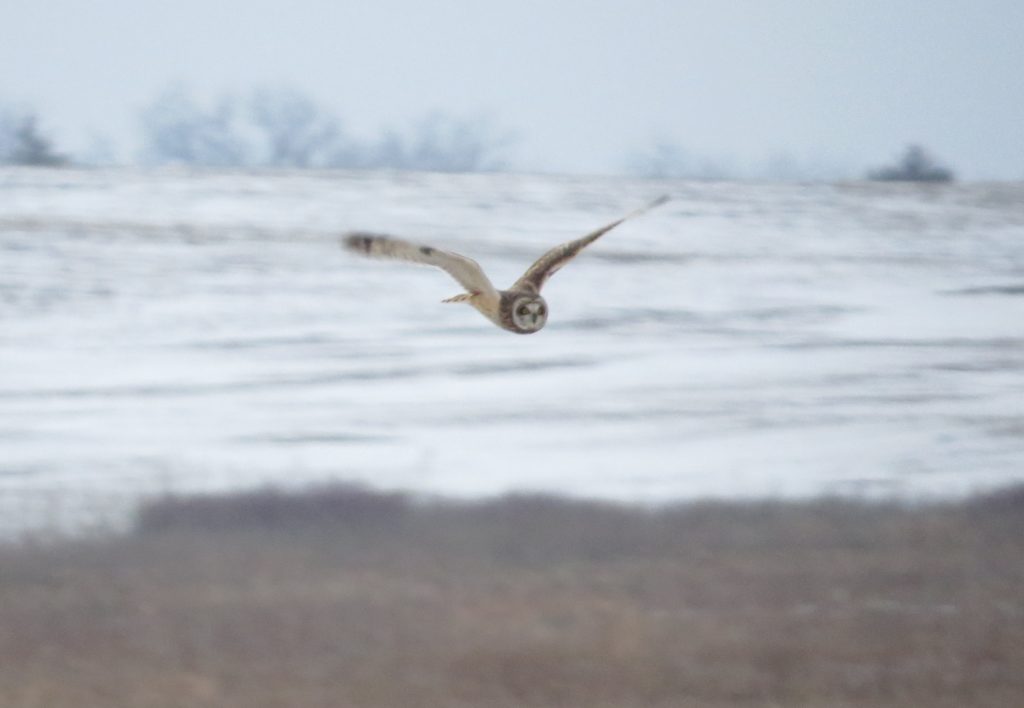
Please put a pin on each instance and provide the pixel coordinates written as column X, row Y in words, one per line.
column 582, row 84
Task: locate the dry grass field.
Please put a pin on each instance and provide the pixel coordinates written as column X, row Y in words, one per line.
column 342, row 597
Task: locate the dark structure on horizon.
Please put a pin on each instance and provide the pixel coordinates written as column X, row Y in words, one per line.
column 916, row 165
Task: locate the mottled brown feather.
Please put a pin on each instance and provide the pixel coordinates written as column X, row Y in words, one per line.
column 552, row 261
column 466, row 271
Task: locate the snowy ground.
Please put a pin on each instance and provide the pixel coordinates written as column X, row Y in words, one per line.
column 190, row 331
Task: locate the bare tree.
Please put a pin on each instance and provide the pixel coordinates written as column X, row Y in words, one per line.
column 294, row 130
column 177, row 130
column 665, row 159
column 443, row 144
column 22, row 143
column 448, row 144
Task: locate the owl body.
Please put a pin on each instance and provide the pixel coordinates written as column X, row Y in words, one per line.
column 519, row 309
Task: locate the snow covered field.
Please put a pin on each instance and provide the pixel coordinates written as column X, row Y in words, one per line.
column 192, row 331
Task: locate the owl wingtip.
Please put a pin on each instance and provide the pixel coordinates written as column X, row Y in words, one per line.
column 357, row 241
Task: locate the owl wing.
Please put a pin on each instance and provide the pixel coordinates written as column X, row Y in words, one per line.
column 552, row 261
column 465, row 270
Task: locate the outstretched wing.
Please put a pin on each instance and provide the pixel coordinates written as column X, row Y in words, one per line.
column 550, row 263
column 465, row 270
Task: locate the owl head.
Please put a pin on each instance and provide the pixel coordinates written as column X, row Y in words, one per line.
column 528, row 313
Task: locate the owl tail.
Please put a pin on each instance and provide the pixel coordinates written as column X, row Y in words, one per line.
column 461, row 297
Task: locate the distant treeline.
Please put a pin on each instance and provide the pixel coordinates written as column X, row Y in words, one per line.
column 271, row 128
column 285, row 128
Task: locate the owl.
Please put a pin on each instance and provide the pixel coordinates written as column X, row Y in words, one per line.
column 520, row 309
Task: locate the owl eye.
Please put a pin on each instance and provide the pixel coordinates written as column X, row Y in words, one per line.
column 522, row 310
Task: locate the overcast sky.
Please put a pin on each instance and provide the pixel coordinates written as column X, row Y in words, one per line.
column 583, row 83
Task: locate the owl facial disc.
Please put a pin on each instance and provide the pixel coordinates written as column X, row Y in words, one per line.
column 529, row 312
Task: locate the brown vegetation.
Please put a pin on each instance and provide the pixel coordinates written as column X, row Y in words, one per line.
column 340, row 597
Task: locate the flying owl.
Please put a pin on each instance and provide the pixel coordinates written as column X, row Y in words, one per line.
column 520, row 309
